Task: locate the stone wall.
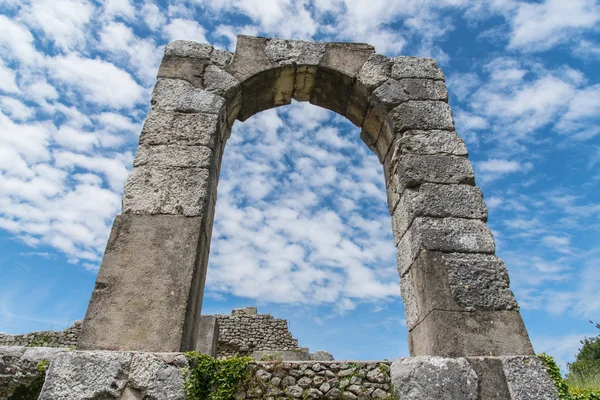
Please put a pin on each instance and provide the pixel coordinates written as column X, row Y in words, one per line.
column 246, row 331
column 98, row 375
column 66, row 338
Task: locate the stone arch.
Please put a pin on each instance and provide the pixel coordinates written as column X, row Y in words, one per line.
column 148, row 293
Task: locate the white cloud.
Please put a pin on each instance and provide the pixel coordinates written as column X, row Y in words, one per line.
column 8, row 79
column 184, row 29
column 62, row 21
column 121, row 8
column 494, row 168
column 98, row 81
column 15, row 108
column 16, row 41
column 540, row 26
column 153, row 16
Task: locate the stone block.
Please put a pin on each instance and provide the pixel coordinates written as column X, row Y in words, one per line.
column 527, row 379
column 180, row 96
column 385, row 98
column 476, row 333
column 284, row 355
column 424, row 89
column 174, row 156
column 258, row 93
column 429, row 143
column 443, row 234
column 86, row 375
column 147, row 285
column 346, row 58
column 305, row 82
column 208, row 335
column 154, row 190
column 455, row 281
column 420, row 115
column 154, row 378
column 185, row 68
column 283, row 88
column 419, row 378
column 163, row 127
column 412, row 170
column 434, row 200
column 331, row 90
column 250, row 58
column 415, row 67
column 294, row 52
column 492, row 382
column 219, row 82
column 187, row 48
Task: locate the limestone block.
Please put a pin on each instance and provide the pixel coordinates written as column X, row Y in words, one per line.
column 433, row 200
column 181, row 96
column 429, row 143
column 250, row 58
column 425, row 89
column 436, row 378
column 411, row 170
column 372, row 74
column 283, row 88
column 415, row 67
column 347, row 58
column 305, row 82
column 174, row 156
column 321, row 355
column 186, row 48
column 290, row 52
column 492, row 382
column 475, row 333
column 163, row 127
column 386, row 97
column 220, row 82
column 208, row 335
column 258, row 93
column 185, row 68
column 153, row 190
column 455, row 281
column 86, row 375
column 149, row 284
column 528, row 379
column 156, row 379
column 443, row 234
column 416, row 114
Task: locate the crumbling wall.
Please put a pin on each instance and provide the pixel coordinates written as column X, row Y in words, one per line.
column 66, row 338
column 246, row 331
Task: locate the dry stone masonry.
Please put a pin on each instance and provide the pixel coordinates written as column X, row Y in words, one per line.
column 466, row 334
column 67, row 338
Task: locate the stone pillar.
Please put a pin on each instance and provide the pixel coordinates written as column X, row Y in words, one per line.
column 148, row 294
column 455, row 290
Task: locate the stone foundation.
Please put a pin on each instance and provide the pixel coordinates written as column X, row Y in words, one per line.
column 96, row 375
column 66, row 338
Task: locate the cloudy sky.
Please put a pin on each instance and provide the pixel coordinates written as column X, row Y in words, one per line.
column 302, row 228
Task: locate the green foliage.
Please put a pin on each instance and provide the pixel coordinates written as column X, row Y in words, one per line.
column 584, row 372
column 40, row 339
column 212, row 379
column 565, row 391
column 32, row 391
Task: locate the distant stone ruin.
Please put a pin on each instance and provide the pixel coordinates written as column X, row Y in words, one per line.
column 465, row 333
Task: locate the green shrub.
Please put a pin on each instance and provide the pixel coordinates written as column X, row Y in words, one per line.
column 565, row 391
column 32, row 391
column 212, row 379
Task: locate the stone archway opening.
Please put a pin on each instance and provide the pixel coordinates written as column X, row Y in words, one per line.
column 148, row 294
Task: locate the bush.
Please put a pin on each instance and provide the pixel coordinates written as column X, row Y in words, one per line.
column 565, row 391
column 584, row 372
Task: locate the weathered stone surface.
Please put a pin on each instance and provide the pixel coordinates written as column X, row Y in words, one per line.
column 153, row 190
column 289, row 52
column 88, row 375
column 434, row 200
column 179, row 95
column 411, row 170
column 208, row 335
column 156, row 379
column 347, row 58
column 186, row 48
column 149, row 271
column 455, row 281
column 249, row 58
column 387, row 96
column 443, row 234
column 65, row 338
column 285, row 355
column 188, row 69
column 492, row 382
column 163, row 127
column 415, row 67
column 430, row 142
column 479, row 281
column 258, row 93
column 528, row 379
column 321, row 355
column 424, row 89
column 372, row 74
column 220, row 82
column 416, row 114
column 475, row 333
column 174, row 156
column 436, row 378
column 331, row 90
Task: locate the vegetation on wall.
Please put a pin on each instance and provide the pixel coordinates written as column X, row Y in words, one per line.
column 32, row 390
column 565, row 391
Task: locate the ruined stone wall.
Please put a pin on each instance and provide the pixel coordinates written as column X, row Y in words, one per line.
column 66, row 338
column 245, row 331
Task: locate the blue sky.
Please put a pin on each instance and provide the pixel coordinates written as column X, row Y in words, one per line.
column 302, row 229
